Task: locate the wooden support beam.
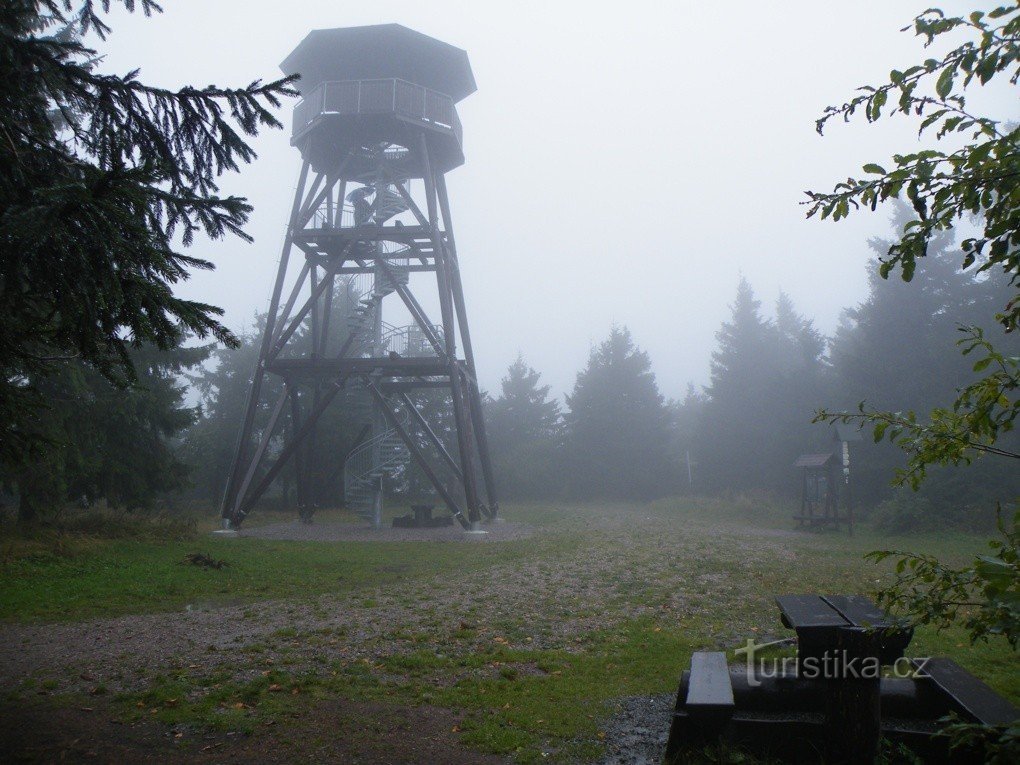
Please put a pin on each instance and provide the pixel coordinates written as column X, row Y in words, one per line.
column 464, row 443
column 419, row 458
column 477, row 415
column 230, row 492
column 246, row 503
column 431, row 435
column 260, row 451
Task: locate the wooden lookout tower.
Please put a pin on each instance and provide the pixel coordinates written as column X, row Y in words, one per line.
column 369, row 254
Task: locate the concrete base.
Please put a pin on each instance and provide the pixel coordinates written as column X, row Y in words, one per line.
column 225, row 532
column 476, row 528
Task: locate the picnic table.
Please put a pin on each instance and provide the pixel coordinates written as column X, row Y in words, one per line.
column 845, row 640
column 835, row 700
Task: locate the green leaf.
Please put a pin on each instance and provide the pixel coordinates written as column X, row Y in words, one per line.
column 871, row 167
column 944, row 86
column 879, row 431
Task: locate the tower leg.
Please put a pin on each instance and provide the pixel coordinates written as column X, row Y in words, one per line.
column 228, row 509
column 477, row 416
column 464, row 442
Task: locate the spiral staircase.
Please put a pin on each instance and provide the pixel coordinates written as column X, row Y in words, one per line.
column 384, row 454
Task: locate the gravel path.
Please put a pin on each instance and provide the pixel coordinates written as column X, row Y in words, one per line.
column 637, row 731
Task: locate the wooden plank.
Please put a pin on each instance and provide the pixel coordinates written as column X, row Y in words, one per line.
column 709, row 689
column 808, row 612
column 860, row 611
column 968, row 694
column 883, row 635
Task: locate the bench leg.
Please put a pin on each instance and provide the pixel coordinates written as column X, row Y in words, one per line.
column 853, row 719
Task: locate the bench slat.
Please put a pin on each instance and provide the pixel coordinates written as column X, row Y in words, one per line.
column 968, row 693
column 808, row 611
column 860, row 611
column 710, row 681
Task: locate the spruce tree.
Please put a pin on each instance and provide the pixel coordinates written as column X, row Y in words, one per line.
column 896, row 350
column 735, row 424
column 768, row 377
column 104, row 180
column 617, row 429
column 523, row 413
column 524, row 434
column 107, row 443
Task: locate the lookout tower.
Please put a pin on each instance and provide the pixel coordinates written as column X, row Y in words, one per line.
column 369, row 253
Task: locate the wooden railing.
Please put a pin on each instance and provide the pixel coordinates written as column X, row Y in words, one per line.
column 391, row 96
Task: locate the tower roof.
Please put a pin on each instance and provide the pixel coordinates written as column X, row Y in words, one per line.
column 381, row 51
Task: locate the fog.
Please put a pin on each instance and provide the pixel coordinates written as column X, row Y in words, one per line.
column 625, row 164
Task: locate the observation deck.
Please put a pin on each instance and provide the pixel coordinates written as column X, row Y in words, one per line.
column 339, row 116
column 384, row 86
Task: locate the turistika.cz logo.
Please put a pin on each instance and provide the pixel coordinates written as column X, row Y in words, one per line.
column 831, row 665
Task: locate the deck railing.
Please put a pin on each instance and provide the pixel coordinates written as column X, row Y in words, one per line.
column 391, row 96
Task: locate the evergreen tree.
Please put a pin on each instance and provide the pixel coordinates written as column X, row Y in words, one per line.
column 735, row 427
column 523, row 413
column 768, row 377
column 686, row 416
column 524, row 434
column 103, row 176
column 617, row 429
column 896, row 351
column 103, row 442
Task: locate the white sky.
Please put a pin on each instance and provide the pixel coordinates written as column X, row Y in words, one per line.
column 625, row 162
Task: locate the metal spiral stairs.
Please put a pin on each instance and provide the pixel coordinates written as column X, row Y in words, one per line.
column 384, row 454
column 368, row 465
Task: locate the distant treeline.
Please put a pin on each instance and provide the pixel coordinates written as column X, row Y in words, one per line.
column 614, row 436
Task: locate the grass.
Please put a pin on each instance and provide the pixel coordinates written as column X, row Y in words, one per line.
column 606, row 602
column 77, row 579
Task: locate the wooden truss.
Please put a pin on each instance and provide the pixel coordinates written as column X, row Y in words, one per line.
column 335, row 243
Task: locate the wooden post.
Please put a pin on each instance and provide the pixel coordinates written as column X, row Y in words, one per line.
column 853, row 717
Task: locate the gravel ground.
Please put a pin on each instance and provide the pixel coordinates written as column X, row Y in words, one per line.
column 500, row 531
column 637, row 731
column 629, row 567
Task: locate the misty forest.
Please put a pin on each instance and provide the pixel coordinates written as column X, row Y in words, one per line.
column 614, row 475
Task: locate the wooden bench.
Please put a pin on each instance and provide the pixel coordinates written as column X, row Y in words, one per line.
column 966, row 695
column 709, row 693
column 704, row 702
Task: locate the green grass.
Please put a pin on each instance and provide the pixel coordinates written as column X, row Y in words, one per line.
column 113, row 577
column 673, row 577
column 534, row 701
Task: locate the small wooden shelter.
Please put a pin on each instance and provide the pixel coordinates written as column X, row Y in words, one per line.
column 820, row 489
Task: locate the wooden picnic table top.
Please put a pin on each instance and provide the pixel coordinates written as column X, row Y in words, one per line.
column 825, row 622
